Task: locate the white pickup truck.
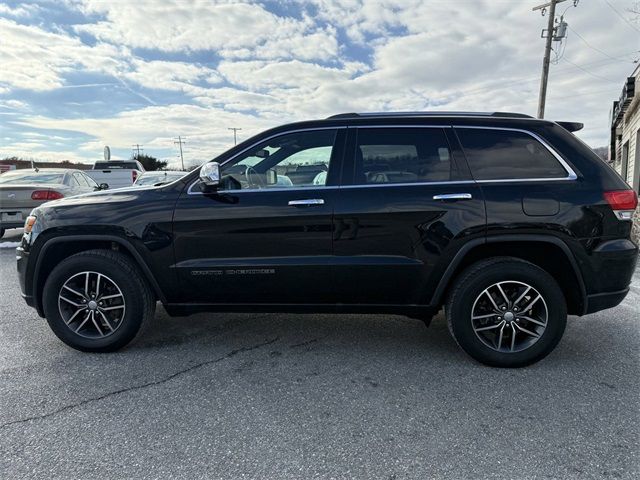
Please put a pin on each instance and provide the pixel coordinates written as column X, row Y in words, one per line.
column 116, row 173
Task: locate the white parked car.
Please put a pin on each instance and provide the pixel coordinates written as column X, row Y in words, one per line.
column 23, row 190
column 116, row 173
column 158, row 177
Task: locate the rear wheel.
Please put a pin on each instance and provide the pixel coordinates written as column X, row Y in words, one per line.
column 97, row 301
column 506, row 312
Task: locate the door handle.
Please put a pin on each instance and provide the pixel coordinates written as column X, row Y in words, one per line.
column 307, row 202
column 453, row 196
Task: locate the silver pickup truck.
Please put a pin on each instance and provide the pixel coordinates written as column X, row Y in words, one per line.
column 116, row 173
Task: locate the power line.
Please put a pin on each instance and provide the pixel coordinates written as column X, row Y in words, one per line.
column 621, row 16
column 588, row 92
column 518, row 81
column 619, row 59
column 590, row 73
column 179, row 142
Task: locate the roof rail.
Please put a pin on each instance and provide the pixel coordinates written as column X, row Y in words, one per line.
column 430, row 114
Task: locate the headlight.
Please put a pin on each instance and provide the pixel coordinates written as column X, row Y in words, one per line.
column 29, row 223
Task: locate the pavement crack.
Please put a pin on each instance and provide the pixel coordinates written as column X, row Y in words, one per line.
column 141, row 386
column 303, row 344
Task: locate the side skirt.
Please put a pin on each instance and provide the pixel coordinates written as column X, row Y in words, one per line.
column 422, row 312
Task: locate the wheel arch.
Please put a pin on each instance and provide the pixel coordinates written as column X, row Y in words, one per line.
column 56, row 249
column 558, row 261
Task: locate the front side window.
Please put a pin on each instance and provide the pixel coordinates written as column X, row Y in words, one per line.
column 402, row 155
column 295, row 160
column 506, row 154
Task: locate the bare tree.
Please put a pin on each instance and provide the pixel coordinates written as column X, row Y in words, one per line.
column 635, row 11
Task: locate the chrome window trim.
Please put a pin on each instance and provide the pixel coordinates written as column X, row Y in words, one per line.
column 409, row 184
column 571, row 174
column 334, row 187
column 298, row 130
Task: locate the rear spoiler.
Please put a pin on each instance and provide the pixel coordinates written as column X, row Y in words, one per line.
column 571, row 126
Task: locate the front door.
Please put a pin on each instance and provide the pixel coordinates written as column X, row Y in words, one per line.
column 409, row 207
column 264, row 236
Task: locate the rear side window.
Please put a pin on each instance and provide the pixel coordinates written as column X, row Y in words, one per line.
column 506, row 154
column 402, row 155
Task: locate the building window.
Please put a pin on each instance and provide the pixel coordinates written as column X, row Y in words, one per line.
column 624, row 167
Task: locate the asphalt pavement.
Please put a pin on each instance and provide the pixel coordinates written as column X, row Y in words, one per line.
column 278, row 396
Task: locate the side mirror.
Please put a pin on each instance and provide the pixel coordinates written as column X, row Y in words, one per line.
column 103, row 186
column 210, row 174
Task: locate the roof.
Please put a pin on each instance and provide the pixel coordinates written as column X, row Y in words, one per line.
column 430, row 114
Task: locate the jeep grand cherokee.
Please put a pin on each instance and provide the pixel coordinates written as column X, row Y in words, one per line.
column 508, row 222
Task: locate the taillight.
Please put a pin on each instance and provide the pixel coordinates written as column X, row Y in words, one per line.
column 622, row 202
column 46, row 195
column 134, row 175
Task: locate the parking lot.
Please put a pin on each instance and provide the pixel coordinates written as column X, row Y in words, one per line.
column 313, row 396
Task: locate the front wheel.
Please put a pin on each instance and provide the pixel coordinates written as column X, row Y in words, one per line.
column 506, row 312
column 97, row 301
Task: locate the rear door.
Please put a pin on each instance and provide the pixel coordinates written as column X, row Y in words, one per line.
column 526, row 183
column 263, row 237
column 406, row 209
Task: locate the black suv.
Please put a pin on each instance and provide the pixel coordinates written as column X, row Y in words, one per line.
column 509, row 222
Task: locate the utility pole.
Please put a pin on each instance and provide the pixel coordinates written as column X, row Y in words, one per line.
column 542, row 97
column 235, row 138
column 179, row 142
column 554, row 34
column 136, row 147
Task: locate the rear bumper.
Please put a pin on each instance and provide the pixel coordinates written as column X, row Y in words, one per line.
column 613, row 264
column 602, row 301
column 13, row 217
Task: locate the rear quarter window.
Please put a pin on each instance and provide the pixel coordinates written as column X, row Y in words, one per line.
column 506, row 154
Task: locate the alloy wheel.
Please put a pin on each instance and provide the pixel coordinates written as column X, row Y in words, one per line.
column 91, row 305
column 509, row 316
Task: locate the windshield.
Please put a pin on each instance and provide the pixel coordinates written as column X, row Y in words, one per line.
column 31, row 177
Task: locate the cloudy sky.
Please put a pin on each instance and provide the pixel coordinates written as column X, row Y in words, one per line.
column 76, row 75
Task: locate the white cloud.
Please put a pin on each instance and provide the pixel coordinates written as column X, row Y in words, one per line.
column 35, row 59
column 255, row 68
column 157, row 126
column 14, row 104
column 25, row 10
column 175, row 25
column 179, row 76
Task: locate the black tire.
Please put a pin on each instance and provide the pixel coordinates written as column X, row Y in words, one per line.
column 121, row 270
column 1, row 232
column 470, row 286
